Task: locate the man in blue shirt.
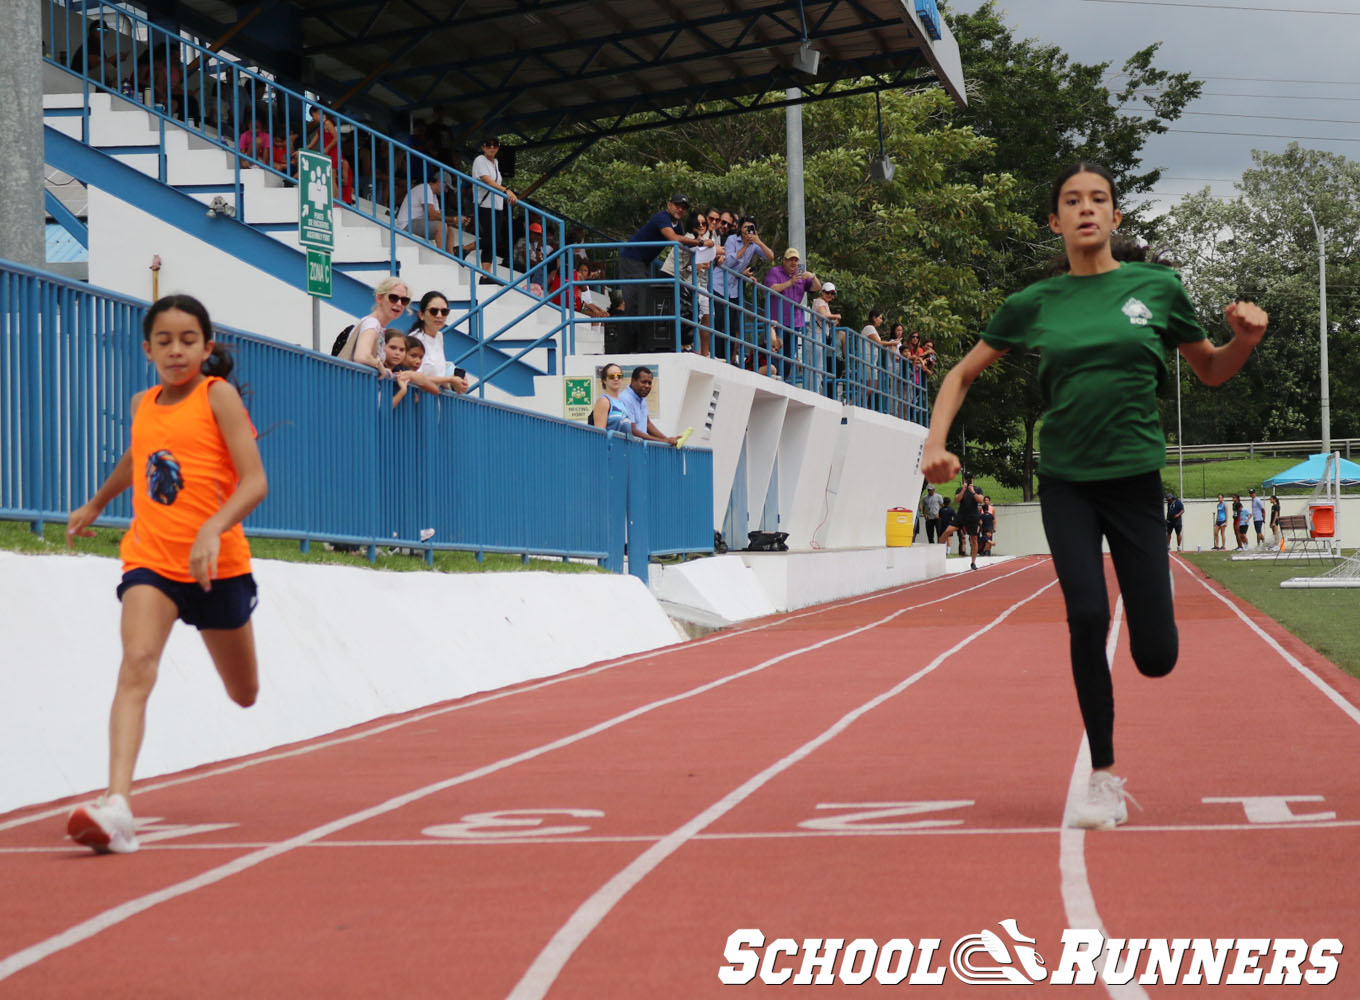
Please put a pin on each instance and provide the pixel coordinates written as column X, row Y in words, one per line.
column 634, row 401
column 635, row 262
column 1258, row 517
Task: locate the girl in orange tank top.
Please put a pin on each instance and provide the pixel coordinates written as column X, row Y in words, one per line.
column 195, row 473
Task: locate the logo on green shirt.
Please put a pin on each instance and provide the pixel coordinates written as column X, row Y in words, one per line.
column 1137, row 313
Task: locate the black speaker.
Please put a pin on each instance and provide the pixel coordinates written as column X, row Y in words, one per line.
column 505, row 159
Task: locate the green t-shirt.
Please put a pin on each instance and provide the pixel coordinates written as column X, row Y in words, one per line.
column 1102, row 341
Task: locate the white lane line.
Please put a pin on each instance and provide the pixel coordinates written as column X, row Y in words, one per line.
column 1332, row 695
column 1078, row 900
column 116, row 915
column 576, row 674
column 651, row 838
column 546, row 967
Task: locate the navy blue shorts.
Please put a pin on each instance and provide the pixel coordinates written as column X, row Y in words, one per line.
column 227, row 606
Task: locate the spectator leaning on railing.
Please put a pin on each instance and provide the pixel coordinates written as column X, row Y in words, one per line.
column 491, row 212
column 833, row 336
column 793, row 284
column 365, row 344
column 428, row 331
column 635, row 265
column 608, row 412
column 740, row 253
column 634, row 402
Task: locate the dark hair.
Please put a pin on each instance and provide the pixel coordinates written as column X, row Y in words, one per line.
column 875, row 311
column 741, row 223
column 425, row 301
column 639, row 371
column 604, row 372
column 219, row 363
column 1081, row 167
column 412, row 343
column 392, row 333
column 184, row 303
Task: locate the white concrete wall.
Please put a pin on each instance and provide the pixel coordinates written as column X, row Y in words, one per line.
column 839, row 468
column 1020, row 529
column 338, row 646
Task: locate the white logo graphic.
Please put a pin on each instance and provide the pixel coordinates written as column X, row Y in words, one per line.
column 318, row 195
column 962, row 964
column 1137, row 313
column 989, row 959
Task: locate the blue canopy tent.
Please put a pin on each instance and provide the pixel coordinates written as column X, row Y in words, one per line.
column 1310, row 472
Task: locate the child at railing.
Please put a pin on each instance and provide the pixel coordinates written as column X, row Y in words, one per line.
column 196, row 473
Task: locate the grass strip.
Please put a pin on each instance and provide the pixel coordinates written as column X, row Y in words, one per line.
column 15, row 536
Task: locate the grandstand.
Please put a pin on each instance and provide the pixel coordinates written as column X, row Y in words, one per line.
column 143, row 128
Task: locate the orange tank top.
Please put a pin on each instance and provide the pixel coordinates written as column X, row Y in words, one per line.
column 182, row 474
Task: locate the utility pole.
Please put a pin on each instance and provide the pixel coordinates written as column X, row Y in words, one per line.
column 1324, row 395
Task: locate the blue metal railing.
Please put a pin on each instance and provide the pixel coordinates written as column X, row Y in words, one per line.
column 231, row 106
column 264, row 124
column 344, row 465
column 815, row 354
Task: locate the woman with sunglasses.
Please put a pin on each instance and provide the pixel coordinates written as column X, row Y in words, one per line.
column 429, row 330
column 608, row 411
column 365, row 343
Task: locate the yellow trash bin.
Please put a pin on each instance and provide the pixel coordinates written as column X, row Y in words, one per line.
column 899, row 526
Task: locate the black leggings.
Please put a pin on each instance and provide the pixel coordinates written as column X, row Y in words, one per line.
column 1129, row 514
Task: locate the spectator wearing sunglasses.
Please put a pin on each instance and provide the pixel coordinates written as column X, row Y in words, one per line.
column 365, row 343
column 493, row 219
column 428, row 328
column 608, row 412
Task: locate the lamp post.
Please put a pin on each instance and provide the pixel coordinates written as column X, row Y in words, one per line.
column 1322, row 326
column 1180, row 441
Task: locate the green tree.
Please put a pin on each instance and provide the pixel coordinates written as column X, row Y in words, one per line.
column 1262, row 245
column 1042, row 110
column 910, row 246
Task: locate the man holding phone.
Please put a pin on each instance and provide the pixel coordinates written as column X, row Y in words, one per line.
column 742, row 248
column 793, row 284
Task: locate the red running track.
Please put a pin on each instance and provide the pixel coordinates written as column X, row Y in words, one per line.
column 886, row 769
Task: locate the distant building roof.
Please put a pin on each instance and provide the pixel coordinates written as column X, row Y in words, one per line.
column 62, row 247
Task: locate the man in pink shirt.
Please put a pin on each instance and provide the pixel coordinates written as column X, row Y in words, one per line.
column 792, row 284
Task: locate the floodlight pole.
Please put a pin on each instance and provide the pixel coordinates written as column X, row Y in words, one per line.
column 1324, row 395
column 793, row 128
column 1180, row 441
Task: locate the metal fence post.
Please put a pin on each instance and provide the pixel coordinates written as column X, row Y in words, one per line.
column 639, row 523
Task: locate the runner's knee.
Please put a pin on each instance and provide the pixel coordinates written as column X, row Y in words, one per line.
column 1156, row 658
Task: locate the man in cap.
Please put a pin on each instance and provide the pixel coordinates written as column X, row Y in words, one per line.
column 834, row 338
column 930, row 510
column 635, row 265
column 792, row 283
column 494, row 223
column 529, row 254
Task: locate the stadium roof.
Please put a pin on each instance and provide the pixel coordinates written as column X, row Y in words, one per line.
column 560, row 71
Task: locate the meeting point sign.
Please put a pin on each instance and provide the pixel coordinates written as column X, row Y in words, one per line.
column 1010, row 957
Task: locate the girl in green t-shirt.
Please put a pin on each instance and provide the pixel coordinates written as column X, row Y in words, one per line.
column 1102, row 331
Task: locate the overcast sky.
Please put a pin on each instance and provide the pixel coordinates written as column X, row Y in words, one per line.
column 1276, row 69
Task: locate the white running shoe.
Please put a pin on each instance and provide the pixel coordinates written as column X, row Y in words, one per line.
column 1104, row 807
column 104, row 825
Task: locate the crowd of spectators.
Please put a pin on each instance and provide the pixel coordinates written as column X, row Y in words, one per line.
column 412, row 357
column 790, row 322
